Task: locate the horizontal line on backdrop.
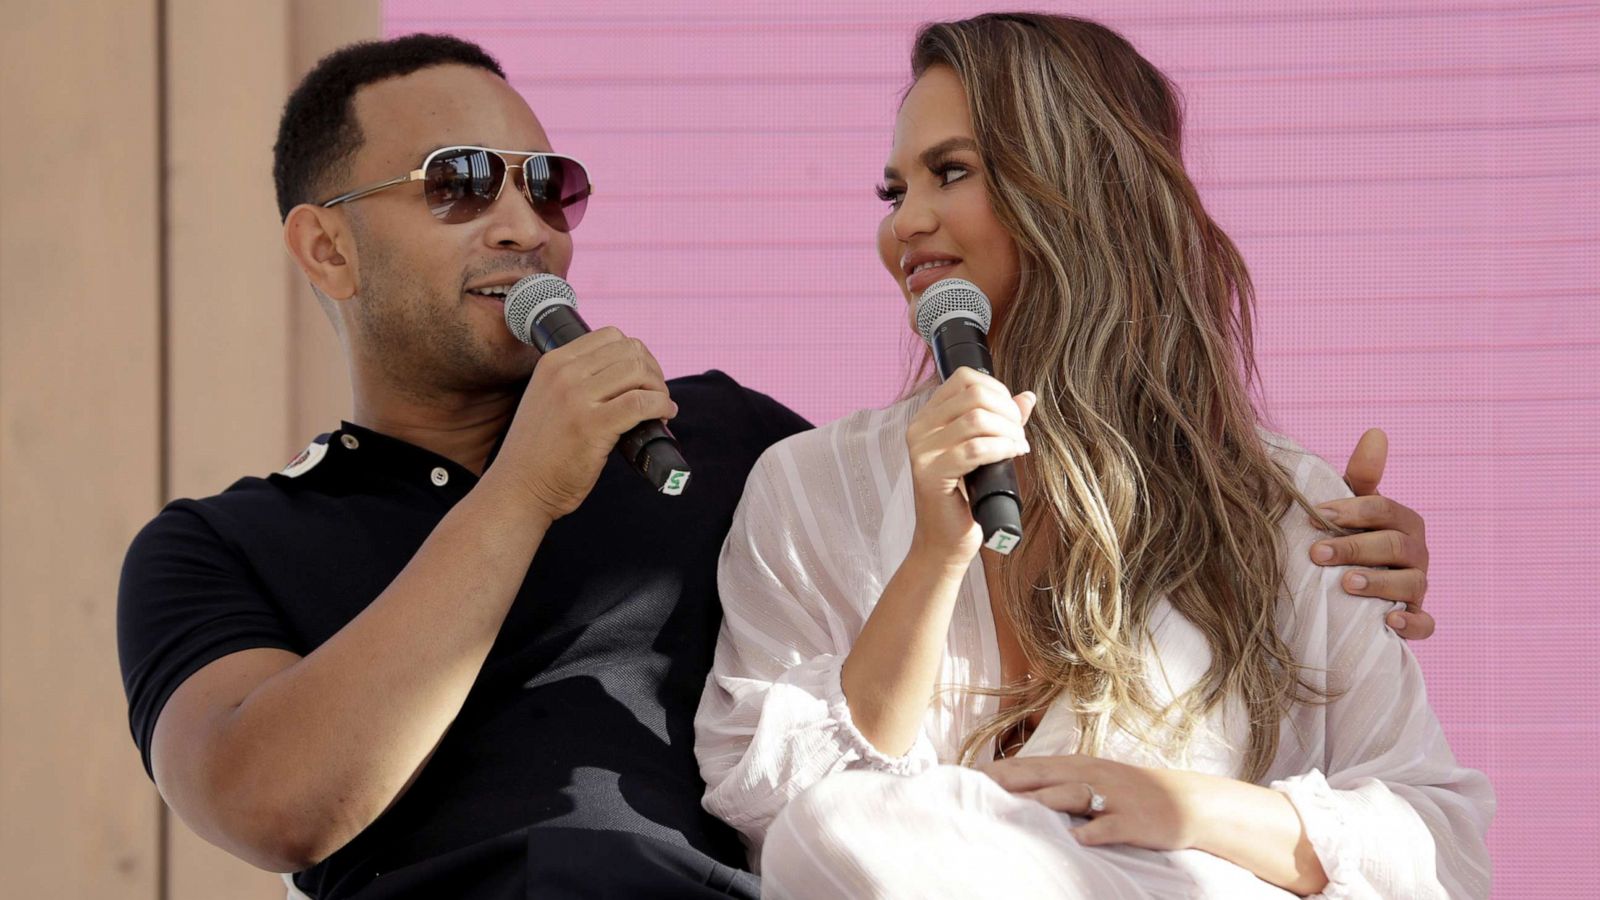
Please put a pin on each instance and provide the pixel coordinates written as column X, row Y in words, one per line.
column 1580, row 454
column 1431, row 239
column 1204, row 184
column 1454, row 401
column 1474, row 347
column 1426, row 301
column 1437, row 509
column 878, row 296
column 1201, row 131
column 1544, row 123
column 1253, row 76
column 1568, row 175
column 398, row 24
column 1578, row 178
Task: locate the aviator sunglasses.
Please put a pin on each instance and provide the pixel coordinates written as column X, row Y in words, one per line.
column 460, row 183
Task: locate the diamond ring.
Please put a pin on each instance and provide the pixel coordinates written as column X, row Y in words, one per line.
column 1097, row 802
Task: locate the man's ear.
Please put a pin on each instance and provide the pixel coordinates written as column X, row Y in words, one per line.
column 321, row 243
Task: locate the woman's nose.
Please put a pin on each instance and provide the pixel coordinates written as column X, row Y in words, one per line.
column 914, row 217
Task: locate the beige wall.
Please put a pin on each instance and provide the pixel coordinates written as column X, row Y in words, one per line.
column 154, row 343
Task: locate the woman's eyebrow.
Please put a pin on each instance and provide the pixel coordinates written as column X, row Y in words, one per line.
column 933, row 154
column 944, row 148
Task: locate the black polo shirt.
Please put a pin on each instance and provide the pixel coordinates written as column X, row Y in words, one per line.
column 570, row 769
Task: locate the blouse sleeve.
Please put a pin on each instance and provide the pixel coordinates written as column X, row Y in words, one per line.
column 773, row 719
column 1385, row 805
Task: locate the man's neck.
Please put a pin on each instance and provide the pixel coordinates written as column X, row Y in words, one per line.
column 460, row 427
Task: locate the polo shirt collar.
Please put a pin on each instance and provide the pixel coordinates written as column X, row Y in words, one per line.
column 371, row 451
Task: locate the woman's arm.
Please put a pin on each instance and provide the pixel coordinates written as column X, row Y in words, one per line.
column 796, row 578
column 889, row 674
column 1169, row 809
column 1257, row 828
column 1382, row 798
column 809, row 621
column 1376, row 793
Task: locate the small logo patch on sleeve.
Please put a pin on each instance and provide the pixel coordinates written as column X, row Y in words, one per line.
column 306, row 460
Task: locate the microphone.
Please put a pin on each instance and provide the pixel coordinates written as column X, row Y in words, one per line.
column 953, row 317
column 542, row 310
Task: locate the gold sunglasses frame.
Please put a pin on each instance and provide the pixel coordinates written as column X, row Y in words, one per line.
column 420, row 173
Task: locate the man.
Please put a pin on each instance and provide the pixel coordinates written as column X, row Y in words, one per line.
column 455, row 648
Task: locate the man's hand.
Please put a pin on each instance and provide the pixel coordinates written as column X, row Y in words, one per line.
column 582, row 398
column 1391, row 548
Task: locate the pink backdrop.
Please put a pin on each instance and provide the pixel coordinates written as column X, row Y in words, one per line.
column 1413, row 183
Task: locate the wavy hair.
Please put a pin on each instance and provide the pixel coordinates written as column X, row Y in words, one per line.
column 1148, row 478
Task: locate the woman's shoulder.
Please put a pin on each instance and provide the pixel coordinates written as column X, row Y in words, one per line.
column 1315, row 479
column 873, row 436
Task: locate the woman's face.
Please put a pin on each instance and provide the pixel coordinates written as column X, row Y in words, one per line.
column 940, row 224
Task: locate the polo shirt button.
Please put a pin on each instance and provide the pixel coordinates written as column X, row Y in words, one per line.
column 440, row 476
column 349, row 441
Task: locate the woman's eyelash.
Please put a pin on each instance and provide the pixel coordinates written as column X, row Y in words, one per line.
column 893, row 196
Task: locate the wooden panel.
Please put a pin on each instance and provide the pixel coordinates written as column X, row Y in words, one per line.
column 319, row 383
column 79, row 440
column 228, row 321
column 229, row 287
column 236, row 300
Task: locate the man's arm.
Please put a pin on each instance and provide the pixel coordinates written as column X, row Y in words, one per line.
column 1391, row 544
column 282, row 760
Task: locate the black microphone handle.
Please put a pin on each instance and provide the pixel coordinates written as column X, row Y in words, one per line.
column 991, row 488
column 649, row 446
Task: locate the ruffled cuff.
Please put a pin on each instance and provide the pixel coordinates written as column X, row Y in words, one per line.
column 1337, row 848
column 860, row 752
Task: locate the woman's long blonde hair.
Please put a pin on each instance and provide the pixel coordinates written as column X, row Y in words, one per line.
column 1131, row 322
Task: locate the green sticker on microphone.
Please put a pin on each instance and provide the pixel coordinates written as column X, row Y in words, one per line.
column 676, row 481
column 1002, row 542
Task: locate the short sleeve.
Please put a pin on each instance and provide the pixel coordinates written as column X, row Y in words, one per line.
column 187, row 598
column 775, row 420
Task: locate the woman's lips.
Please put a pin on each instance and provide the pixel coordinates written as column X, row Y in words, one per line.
column 923, row 279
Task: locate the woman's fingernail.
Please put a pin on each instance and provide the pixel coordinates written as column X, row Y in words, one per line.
column 1397, row 621
column 1358, row 582
column 1322, row 553
column 1329, row 513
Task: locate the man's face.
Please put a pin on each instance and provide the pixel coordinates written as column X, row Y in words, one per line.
column 412, row 316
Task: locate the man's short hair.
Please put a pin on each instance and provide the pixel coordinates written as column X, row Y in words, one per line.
column 318, row 134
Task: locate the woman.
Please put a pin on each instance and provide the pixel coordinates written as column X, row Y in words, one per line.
column 1159, row 656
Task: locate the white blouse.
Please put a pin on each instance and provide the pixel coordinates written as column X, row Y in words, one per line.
column 827, row 518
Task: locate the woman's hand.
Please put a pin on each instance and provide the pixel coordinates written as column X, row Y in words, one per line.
column 1166, row 809
column 969, row 421
column 1159, row 809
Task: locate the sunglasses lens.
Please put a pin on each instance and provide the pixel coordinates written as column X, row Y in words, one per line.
column 558, row 188
column 461, row 184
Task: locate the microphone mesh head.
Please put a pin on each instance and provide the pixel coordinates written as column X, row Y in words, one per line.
column 530, row 297
column 950, row 298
